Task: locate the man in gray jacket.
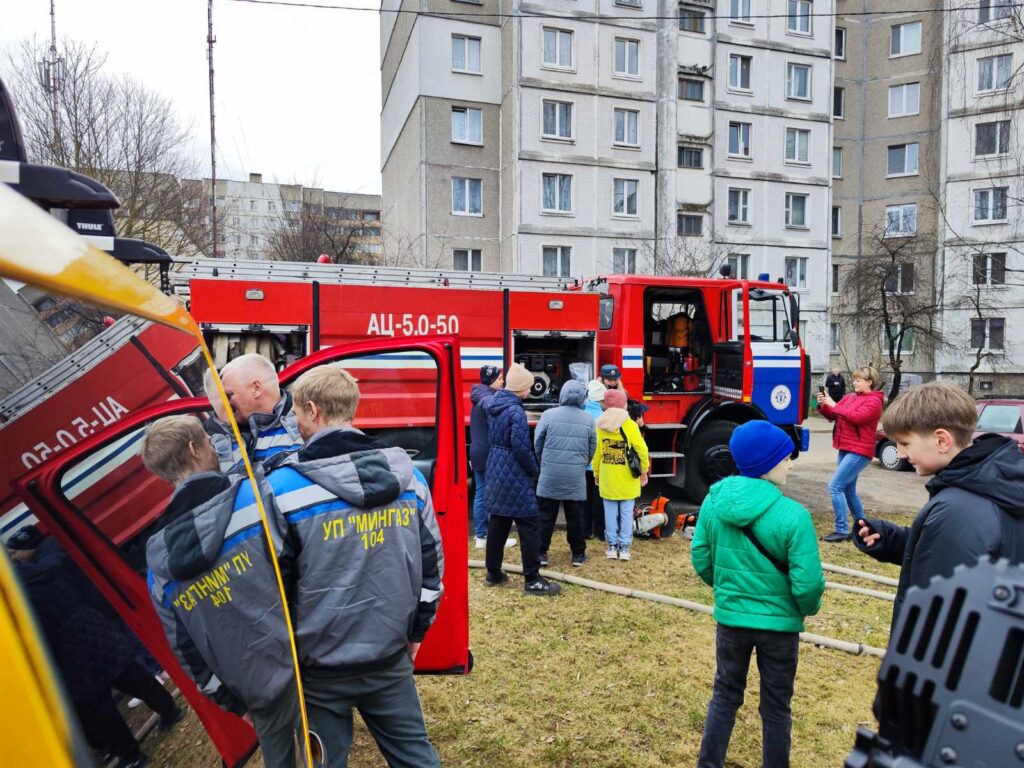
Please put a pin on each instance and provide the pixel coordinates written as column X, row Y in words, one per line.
column 565, row 440
column 369, row 562
column 214, row 588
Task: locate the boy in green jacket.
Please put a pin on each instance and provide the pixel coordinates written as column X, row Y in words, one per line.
column 759, row 551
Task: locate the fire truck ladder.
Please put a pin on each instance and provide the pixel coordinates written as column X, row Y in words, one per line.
column 356, row 274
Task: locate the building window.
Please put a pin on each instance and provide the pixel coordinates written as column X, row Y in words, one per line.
column 625, row 128
column 690, row 157
column 989, row 269
column 992, row 139
column 691, row 89
column 624, row 196
column 993, row 10
column 739, row 10
column 739, row 139
column 557, row 260
column 796, row 210
column 835, row 278
column 557, row 119
column 837, row 221
column 234, row 220
column 833, row 338
column 904, row 99
column 466, row 259
column 799, row 17
column 629, row 3
column 798, row 81
column 557, row 193
column 839, row 45
column 691, row 20
column 557, row 48
column 467, row 125
column 902, row 160
column 254, row 240
column 839, row 103
column 624, row 261
column 627, row 57
column 900, row 280
column 467, row 196
column 837, row 162
column 901, row 336
column 252, row 205
column 689, row 225
column 739, row 264
column 988, row 333
column 990, row 205
column 466, row 54
column 271, row 206
column 900, row 220
column 905, row 39
column 739, row 206
column 798, row 145
column 796, row 271
column 995, row 73
column 739, row 72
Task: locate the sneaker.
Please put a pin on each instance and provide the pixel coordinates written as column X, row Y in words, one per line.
column 835, row 537
column 544, row 560
column 137, row 761
column 493, row 581
column 611, row 553
column 166, row 721
column 510, row 542
column 580, row 560
column 162, row 678
column 623, row 554
column 133, row 703
column 542, row 587
column 481, row 542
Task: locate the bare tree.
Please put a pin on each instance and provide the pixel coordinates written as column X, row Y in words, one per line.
column 690, row 256
column 312, row 228
column 117, row 131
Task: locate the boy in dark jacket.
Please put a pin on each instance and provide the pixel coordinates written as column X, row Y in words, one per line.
column 759, row 551
column 214, row 588
column 368, row 564
column 511, row 475
column 976, row 504
column 491, row 381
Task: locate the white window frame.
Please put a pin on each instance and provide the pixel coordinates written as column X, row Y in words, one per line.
column 986, row 271
column 563, row 257
column 628, row 258
column 738, row 87
column 557, row 136
column 907, row 153
column 467, row 124
column 791, row 67
column 680, row 215
column 693, row 13
column 740, row 263
column 835, row 332
column 986, row 329
column 683, row 148
column 634, row 4
column 999, row 143
column 742, row 206
column 836, row 150
column 789, row 210
column 1000, row 57
column 839, row 34
column 989, row 206
column 558, row 63
column 802, row 280
column 474, row 259
column 467, row 44
column 903, row 348
column 902, row 210
column 904, row 89
column 559, row 180
column 683, row 80
column 626, row 115
column 798, row 134
column 897, row 32
column 899, row 288
column 627, row 43
column 466, row 186
column 994, row 11
column 741, row 128
column 793, row 22
column 837, row 222
column 625, row 183
column 842, row 102
column 740, row 12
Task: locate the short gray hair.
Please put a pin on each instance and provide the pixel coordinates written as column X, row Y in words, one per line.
column 255, row 366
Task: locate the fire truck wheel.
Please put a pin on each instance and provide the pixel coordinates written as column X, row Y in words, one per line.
column 708, row 459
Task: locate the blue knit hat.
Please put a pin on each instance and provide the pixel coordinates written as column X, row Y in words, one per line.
column 758, row 446
column 488, row 374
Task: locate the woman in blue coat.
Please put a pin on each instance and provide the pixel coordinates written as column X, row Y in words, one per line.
column 509, row 494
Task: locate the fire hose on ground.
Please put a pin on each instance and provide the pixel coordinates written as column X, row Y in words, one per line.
column 857, row 649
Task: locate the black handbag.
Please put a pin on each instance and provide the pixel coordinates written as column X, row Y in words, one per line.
column 632, row 457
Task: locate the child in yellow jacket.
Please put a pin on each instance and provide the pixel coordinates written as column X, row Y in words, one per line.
column 618, row 488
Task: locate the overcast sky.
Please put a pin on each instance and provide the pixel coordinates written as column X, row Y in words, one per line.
column 297, row 89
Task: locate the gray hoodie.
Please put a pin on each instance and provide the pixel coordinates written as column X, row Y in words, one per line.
column 565, row 440
column 367, row 551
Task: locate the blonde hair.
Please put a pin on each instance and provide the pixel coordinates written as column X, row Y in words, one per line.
column 868, row 373
column 165, row 446
column 936, row 405
column 333, row 389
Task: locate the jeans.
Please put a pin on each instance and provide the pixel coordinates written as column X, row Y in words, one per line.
column 776, row 661
column 843, row 488
column 498, row 528
column 573, row 524
column 479, row 513
column 618, row 522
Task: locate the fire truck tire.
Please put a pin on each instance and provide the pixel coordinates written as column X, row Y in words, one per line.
column 708, row 459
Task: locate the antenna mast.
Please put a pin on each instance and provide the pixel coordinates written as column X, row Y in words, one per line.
column 210, row 40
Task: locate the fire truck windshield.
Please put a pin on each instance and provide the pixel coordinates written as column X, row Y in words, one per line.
column 770, row 315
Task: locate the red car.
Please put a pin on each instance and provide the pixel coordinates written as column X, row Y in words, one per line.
column 1000, row 415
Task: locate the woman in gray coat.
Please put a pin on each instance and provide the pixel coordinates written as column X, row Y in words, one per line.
column 565, row 440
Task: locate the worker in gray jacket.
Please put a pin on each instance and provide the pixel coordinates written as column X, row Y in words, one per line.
column 368, row 565
column 213, row 585
column 565, row 440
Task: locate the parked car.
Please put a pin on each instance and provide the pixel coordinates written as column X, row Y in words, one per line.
column 887, row 453
column 907, row 380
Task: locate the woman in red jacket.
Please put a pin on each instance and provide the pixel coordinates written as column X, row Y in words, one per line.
column 856, row 417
